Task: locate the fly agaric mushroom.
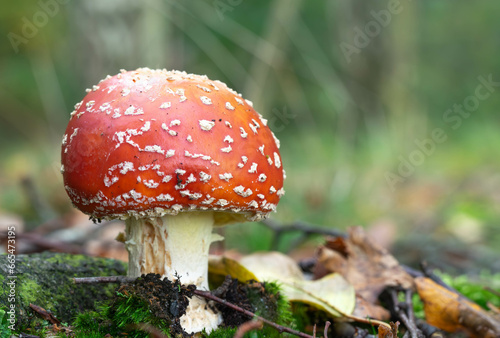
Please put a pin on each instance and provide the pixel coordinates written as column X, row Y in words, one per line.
column 173, row 154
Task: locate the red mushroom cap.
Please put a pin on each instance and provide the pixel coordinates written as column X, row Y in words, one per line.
column 146, row 143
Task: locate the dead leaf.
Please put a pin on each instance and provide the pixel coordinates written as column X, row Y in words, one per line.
column 332, row 294
column 270, row 265
column 222, row 266
column 365, row 309
column 385, row 332
column 364, row 264
column 451, row 312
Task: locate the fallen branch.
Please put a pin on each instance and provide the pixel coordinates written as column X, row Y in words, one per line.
column 107, row 279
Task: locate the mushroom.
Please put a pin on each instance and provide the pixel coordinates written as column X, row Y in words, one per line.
column 173, row 154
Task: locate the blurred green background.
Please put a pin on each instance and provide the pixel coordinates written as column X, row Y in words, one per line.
column 387, row 111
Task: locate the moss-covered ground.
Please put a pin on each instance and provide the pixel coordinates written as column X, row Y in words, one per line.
column 45, row 280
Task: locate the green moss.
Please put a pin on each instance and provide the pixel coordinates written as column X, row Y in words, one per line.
column 270, row 303
column 146, row 301
column 283, row 308
column 475, row 289
column 4, row 324
column 76, row 261
column 29, row 290
column 118, row 319
column 88, row 321
column 46, row 280
column 301, row 317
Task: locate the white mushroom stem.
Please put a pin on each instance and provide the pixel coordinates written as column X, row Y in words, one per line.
column 176, row 247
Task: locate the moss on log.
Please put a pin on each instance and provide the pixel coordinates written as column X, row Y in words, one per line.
column 45, row 280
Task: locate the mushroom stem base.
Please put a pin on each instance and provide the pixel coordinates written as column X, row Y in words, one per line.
column 175, row 247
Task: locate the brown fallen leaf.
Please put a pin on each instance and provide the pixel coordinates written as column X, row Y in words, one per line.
column 365, row 309
column 451, row 312
column 367, row 266
column 385, row 332
column 44, row 314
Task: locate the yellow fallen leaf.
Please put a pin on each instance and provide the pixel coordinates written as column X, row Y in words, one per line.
column 272, row 265
column 332, row 294
column 220, row 266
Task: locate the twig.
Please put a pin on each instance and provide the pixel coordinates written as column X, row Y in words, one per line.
column 25, row 335
column 400, row 312
column 314, row 331
column 407, row 318
column 280, row 328
column 327, row 325
column 107, row 279
column 44, row 314
column 430, row 274
column 490, row 290
column 429, row 330
column 409, row 303
column 247, row 327
column 368, row 321
column 412, row 272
